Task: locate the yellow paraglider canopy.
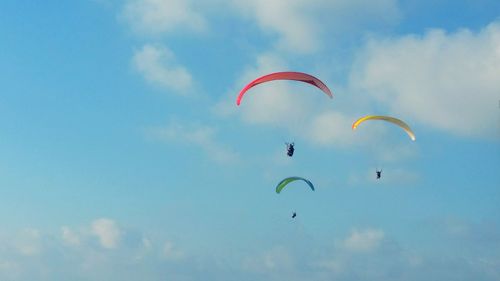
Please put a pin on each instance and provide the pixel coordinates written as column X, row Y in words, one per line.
column 393, row 120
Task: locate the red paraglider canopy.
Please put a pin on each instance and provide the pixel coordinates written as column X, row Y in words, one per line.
column 288, row 75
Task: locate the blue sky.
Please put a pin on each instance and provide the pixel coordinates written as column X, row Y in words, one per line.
column 125, row 157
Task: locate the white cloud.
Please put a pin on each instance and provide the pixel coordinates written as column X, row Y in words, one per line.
column 107, row 231
column 348, row 16
column 278, row 105
column 390, row 152
column 265, row 63
column 446, row 81
column 281, row 104
column 34, row 255
column 146, row 243
column 70, row 237
column 277, row 258
column 9, row 270
column 28, row 242
column 158, row 66
column 199, row 135
column 162, row 16
column 296, row 107
column 332, row 265
column 363, row 255
column 332, row 128
column 170, row 252
column 301, row 24
column 363, row 240
column 288, row 18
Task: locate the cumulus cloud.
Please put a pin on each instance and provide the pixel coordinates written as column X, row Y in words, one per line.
column 363, row 240
column 199, row 135
column 107, row 231
column 159, row 67
column 162, row 16
column 443, row 80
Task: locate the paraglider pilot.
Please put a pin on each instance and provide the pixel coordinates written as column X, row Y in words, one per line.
column 290, row 149
column 379, row 174
column 294, row 215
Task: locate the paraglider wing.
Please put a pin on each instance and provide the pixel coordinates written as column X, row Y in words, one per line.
column 288, row 75
column 286, row 181
column 393, row 120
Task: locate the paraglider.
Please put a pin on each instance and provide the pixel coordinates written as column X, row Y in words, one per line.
column 287, row 75
column 288, row 180
column 393, row 120
column 290, row 149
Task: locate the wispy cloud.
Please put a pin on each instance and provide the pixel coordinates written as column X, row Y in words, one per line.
column 277, row 258
column 155, row 17
column 171, row 252
column 159, row 67
column 73, row 254
column 331, row 128
column 70, row 237
column 194, row 134
column 363, row 253
column 296, row 26
column 291, row 20
column 29, row 242
column 299, row 24
column 363, row 240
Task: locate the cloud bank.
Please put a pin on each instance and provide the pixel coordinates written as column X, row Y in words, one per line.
column 448, row 81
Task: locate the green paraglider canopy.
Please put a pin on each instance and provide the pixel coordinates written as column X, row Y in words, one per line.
column 288, row 180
